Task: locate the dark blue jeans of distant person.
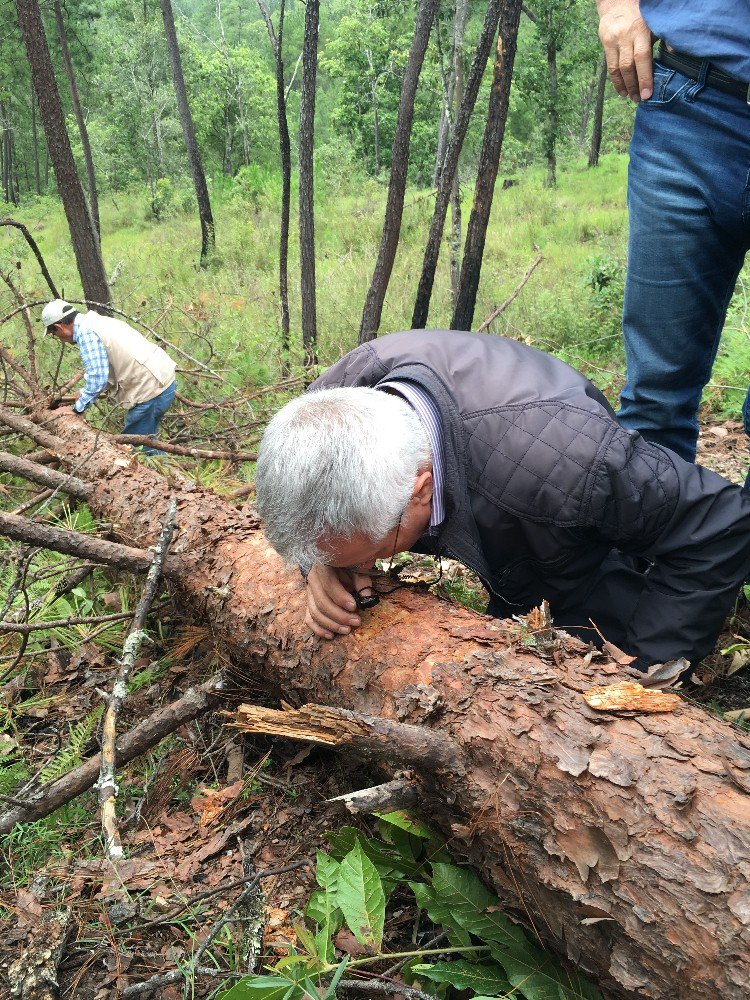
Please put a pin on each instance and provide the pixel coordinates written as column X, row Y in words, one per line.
column 145, row 418
column 689, row 209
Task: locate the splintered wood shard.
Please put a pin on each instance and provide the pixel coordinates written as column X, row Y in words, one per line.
column 380, row 739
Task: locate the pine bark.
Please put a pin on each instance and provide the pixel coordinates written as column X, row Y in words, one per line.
column 82, row 231
column 489, row 160
column 307, row 181
column 394, row 209
column 208, row 234
column 596, row 132
column 625, row 839
column 80, row 120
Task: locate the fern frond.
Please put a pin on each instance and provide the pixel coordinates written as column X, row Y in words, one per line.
column 71, row 755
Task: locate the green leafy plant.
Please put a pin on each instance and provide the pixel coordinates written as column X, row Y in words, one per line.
column 486, row 953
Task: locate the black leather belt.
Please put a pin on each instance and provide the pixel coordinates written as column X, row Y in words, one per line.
column 691, row 66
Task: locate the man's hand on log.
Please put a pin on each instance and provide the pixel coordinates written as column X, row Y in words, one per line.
column 627, row 42
column 331, row 608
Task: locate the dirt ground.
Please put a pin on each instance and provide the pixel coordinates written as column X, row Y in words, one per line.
column 203, row 812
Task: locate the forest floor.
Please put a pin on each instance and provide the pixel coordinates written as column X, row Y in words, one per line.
column 204, row 812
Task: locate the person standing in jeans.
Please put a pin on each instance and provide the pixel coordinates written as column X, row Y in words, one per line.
column 688, row 200
column 139, row 374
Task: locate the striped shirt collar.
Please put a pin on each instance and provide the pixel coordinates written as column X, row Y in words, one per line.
column 425, row 408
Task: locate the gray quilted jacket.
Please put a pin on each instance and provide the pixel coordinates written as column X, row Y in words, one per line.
column 542, row 484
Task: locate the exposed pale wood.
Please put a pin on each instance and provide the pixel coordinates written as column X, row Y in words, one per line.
column 391, row 795
column 379, row 739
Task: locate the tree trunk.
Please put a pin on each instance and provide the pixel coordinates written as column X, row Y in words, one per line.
column 552, row 117
column 35, row 141
column 596, row 133
column 306, row 181
column 450, row 165
column 286, row 187
column 82, row 232
column 81, row 122
column 208, row 236
column 277, row 44
column 394, row 208
column 5, row 153
column 624, row 839
column 448, row 81
column 459, row 30
column 497, row 113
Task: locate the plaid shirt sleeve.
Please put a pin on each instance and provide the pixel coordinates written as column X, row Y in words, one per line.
column 96, row 363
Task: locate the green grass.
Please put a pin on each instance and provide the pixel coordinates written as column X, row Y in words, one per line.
column 233, row 303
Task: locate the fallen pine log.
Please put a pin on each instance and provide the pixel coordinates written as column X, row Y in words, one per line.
column 625, row 838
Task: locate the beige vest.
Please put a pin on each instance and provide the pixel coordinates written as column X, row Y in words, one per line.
column 138, row 369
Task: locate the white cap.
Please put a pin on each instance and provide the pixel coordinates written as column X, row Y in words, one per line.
column 54, row 311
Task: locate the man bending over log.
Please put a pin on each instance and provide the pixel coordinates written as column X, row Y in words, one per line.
column 139, row 374
column 487, row 451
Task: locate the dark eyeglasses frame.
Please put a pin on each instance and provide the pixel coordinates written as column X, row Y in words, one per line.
column 364, row 601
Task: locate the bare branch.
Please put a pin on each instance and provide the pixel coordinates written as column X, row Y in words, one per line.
column 157, row 336
column 24, row 628
column 9, row 360
column 22, row 467
column 178, row 449
column 496, row 312
column 30, row 339
column 74, row 543
column 193, row 967
column 106, row 785
column 36, row 251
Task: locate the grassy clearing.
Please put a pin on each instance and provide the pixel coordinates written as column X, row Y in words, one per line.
column 570, row 306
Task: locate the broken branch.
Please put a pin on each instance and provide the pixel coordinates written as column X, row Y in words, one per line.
column 36, row 251
column 74, row 543
column 392, row 795
column 25, row 469
column 106, row 785
column 178, row 449
column 380, row 739
column 496, row 312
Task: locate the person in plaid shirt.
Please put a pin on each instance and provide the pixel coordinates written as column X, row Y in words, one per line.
column 139, row 374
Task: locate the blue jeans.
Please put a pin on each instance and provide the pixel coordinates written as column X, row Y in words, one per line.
column 145, row 418
column 689, row 208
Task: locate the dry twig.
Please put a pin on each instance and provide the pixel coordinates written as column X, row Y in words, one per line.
column 106, row 785
column 496, row 312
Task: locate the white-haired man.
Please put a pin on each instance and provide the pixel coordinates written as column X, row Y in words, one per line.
column 489, row 452
column 139, row 374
